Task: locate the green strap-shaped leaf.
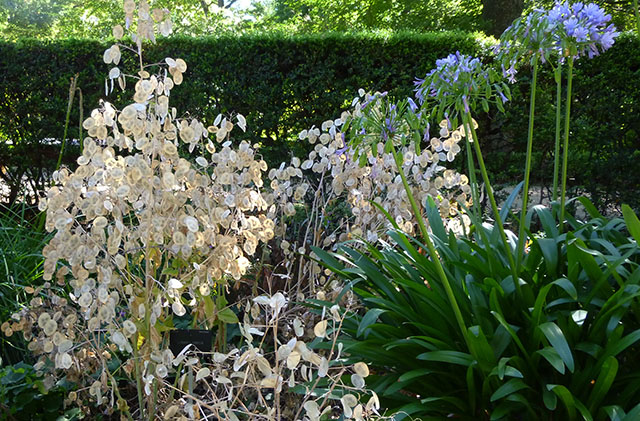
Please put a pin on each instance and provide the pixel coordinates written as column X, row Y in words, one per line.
column 410, row 375
column 567, row 286
column 328, row 259
column 633, row 415
column 623, row 344
column 632, row 221
column 549, row 249
column 590, row 208
column 550, row 399
column 511, row 331
column 435, row 220
column 471, row 388
column 480, row 348
column 508, row 388
column 551, row 355
column 603, row 383
column 452, row 357
column 547, row 221
column 566, row 397
column 506, row 207
column 586, row 414
column 557, row 340
column 536, row 315
column 615, row 412
column 369, row 319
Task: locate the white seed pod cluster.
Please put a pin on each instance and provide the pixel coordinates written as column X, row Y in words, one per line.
column 379, row 179
column 251, row 379
column 139, row 233
column 332, row 173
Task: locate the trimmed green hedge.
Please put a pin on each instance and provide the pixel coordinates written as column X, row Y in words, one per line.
column 283, row 84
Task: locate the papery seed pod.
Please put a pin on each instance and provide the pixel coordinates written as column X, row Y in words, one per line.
column 320, row 328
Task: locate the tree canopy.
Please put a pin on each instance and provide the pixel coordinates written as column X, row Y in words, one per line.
column 55, row 19
column 45, row 19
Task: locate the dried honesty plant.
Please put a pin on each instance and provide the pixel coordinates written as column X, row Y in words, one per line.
column 281, row 352
column 144, row 237
column 334, row 171
column 141, row 234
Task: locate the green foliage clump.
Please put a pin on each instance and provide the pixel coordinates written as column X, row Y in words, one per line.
column 563, row 347
column 21, row 243
column 23, row 396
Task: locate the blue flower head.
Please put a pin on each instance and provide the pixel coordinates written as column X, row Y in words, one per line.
column 581, row 29
column 566, row 30
column 457, row 84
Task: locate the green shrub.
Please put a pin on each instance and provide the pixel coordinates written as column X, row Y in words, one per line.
column 24, row 397
column 565, row 347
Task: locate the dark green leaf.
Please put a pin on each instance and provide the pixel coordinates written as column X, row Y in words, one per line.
column 551, row 355
column 452, row 357
column 369, row 318
column 227, row 316
column 603, row 383
column 566, row 397
column 557, row 340
column 632, row 221
column 508, row 388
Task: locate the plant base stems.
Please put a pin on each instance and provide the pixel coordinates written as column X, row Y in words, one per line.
column 485, row 176
column 472, row 178
column 432, row 250
column 565, row 146
column 476, row 210
column 527, row 170
column 138, row 369
column 556, row 153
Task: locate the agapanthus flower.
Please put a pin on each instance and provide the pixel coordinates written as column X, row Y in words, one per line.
column 581, row 29
column 575, row 30
column 455, row 74
column 457, row 83
column 529, row 37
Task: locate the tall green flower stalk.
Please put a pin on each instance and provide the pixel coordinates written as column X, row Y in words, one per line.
column 577, row 30
column 571, row 32
column 527, row 168
column 556, row 152
column 468, row 124
column 472, row 179
column 380, row 124
column 565, row 145
column 528, row 40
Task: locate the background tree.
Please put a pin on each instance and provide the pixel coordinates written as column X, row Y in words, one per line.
column 46, row 19
column 499, row 14
column 394, row 15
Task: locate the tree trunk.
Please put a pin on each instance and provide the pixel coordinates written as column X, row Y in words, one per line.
column 499, row 14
